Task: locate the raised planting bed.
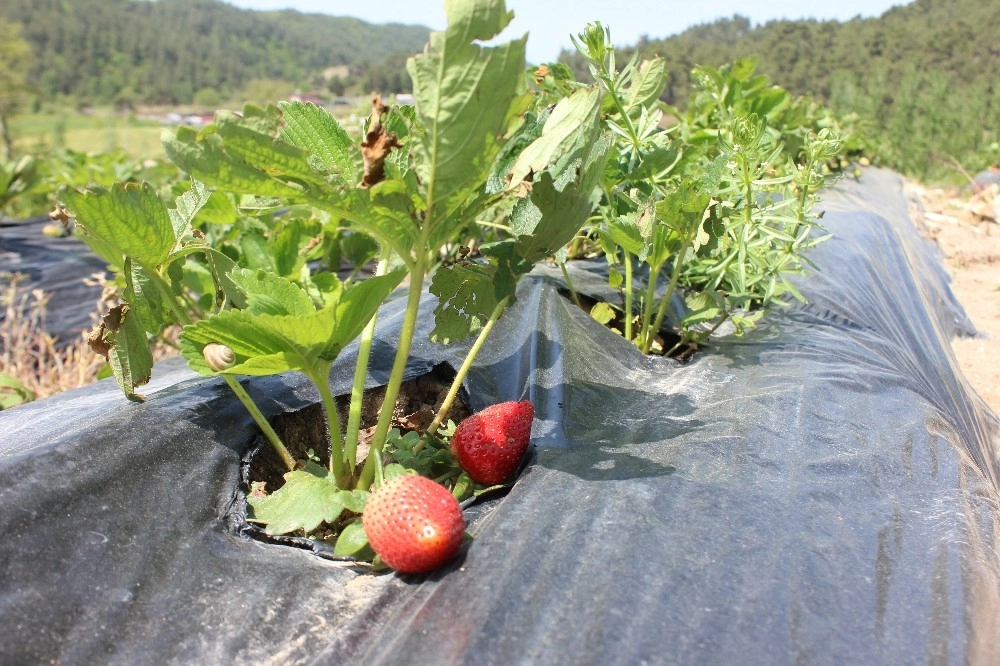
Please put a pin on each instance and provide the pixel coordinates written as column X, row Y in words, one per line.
column 822, row 490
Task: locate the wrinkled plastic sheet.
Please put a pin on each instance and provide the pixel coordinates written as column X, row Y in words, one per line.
column 821, row 491
column 986, row 178
column 56, row 266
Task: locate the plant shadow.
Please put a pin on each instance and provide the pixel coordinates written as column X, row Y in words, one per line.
column 603, row 411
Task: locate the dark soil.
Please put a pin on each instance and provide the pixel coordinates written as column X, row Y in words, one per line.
column 306, row 429
column 665, row 340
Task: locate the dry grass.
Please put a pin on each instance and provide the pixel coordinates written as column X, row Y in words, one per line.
column 33, row 364
column 33, row 357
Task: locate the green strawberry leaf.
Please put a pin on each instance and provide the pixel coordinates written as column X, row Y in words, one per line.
column 549, row 219
column 529, row 131
column 388, row 211
column 623, row 231
column 288, row 241
column 204, row 159
column 273, row 156
column 392, row 470
column 196, row 277
column 564, row 166
column 314, row 129
column 187, row 206
column 258, row 347
column 463, row 92
column 308, row 498
column 264, row 120
column 702, row 307
column 467, row 296
column 684, row 207
column 573, row 124
column 129, row 220
column 541, row 223
column 222, row 266
column 266, row 344
column 268, row 293
column 219, row 209
column 357, row 306
column 356, row 500
column 464, row 487
column 352, row 540
column 255, row 251
column 555, row 211
column 145, row 299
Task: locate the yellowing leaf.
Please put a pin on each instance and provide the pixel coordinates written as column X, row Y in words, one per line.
column 602, row 312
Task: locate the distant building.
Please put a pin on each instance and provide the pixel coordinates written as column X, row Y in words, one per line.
column 305, row 98
column 193, row 119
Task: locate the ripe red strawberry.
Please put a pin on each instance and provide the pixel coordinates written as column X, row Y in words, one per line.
column 489, row 445
column 414, row 524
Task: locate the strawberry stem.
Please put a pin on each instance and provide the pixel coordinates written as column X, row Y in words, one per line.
column 322, row 380
column 244, row 397
column 261, row 422
column 360, row 374
column 627, row 260
column 456, row 384
column 569, row 285
column 406, row 332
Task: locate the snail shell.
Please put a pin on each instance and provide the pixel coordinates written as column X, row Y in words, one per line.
column 219, row 357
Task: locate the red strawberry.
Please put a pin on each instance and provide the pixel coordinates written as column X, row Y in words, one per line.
column 414, row 524
column 489, row 445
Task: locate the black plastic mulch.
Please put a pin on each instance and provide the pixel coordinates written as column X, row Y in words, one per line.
column 823, row 491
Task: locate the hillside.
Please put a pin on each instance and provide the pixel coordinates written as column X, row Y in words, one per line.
column 165, row 51
column 924, row 74
column 956, row 37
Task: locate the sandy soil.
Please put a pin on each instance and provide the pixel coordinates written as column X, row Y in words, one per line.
column 966, row 225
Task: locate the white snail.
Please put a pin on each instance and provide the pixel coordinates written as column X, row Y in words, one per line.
column 219, row 357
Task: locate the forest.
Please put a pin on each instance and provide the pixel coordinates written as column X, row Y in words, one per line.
column 164, row 52
column 924, row 76
column 920, row 79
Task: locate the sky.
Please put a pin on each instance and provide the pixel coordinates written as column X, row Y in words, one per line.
column 550, row 22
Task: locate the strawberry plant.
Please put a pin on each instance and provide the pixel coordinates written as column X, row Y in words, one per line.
column 246, row 259
column 249, row 256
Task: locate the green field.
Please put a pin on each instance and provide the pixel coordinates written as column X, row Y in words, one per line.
column 98, row 131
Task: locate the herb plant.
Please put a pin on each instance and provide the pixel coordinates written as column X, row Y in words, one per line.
column 706, row 217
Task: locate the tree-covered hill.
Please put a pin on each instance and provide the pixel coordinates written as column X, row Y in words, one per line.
column 166, row 50
column 925, row 75
column 955, row 37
